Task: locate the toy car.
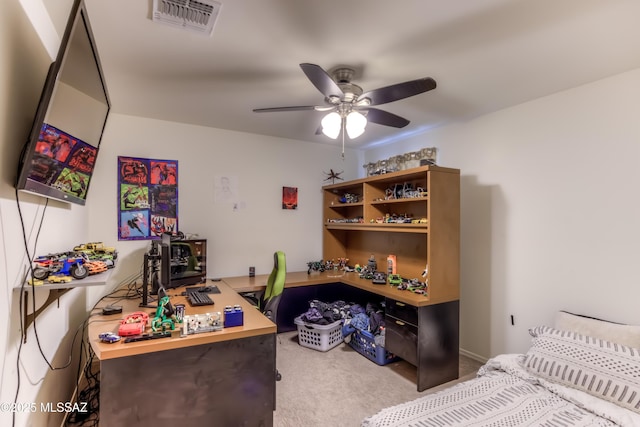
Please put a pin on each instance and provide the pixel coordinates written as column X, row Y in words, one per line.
column 97, row 248
column 109, row 337
column 96, row 267
column 379, row 278
column 394, row 279
column 59, row 278
column 134, row 324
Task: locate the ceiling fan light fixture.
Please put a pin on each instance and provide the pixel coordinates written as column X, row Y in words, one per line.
column 356, row 122
column 331, row 124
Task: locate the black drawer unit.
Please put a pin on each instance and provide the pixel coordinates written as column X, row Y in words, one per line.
column 426, row 337
column 401, row 339
column 402, row 311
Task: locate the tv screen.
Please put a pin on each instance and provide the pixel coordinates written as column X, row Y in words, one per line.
column 59, row 156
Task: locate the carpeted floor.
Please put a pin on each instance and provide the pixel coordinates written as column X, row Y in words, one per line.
column 341, row 387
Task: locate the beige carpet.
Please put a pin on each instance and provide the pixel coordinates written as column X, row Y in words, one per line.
column 341, row 387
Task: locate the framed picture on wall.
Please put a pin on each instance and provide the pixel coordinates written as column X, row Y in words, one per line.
column 147, row 198
column 289, row 197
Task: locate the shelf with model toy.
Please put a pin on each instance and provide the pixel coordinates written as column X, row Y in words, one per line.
column 413, row 214
column 86, row 265
column 67, row 282
column 406, row 229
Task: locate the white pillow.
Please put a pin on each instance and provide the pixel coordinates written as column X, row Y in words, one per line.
column 628, row 335
column 609, row 371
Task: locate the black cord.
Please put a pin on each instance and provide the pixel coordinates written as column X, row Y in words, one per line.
column 22, row 286
column 33, row 294
column 33, row 303
column 90, row 394
column 88, row 413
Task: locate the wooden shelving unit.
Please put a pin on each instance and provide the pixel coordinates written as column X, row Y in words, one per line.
column 425, row 333
column 355, row 231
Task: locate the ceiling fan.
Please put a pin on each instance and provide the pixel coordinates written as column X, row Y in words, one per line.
column 349, row 108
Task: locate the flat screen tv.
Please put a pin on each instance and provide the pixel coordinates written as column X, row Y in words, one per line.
column 58, row 158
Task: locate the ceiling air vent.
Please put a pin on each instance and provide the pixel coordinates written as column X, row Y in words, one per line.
column 196, row 16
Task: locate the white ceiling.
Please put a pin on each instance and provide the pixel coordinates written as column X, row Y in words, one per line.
column 485, row 55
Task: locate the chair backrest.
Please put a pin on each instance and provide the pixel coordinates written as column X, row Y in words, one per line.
column 275, row 285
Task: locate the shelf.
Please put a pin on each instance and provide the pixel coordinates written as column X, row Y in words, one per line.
column 345, row 205
column 94, row 280
column 434, row 242
column 405, row 200
column 398, row 228
column 56, row 290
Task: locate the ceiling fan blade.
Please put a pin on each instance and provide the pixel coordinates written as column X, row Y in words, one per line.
column 275, row 109
column 399, row 91
column 385, row 118
column 295, row 108
column 322, row 81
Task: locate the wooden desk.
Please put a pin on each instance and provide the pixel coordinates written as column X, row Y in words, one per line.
column 202, row 379
column 422, row 331
column 301, row 278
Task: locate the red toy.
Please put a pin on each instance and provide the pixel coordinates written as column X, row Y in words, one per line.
column 134, row 324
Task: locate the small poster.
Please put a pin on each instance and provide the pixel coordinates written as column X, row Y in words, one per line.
column 289, row 197
column 147, row 198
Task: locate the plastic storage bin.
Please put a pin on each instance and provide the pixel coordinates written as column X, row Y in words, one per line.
column 319, row 337
column 364, row 343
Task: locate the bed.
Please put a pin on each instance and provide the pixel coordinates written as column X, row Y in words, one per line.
column 580, row 372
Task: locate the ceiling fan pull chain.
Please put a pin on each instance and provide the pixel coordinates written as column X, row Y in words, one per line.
column 342, row 138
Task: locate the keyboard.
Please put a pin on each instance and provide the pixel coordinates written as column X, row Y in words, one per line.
column 198, row 299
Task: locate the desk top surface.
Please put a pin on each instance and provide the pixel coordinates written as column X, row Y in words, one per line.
column 301, row 278
column 255, row 323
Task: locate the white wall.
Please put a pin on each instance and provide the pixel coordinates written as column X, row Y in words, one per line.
column 24, row 63
column 550, row 210
column 237, row 238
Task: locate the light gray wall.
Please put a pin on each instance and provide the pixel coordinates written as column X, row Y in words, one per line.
column 240, row 233
column 549, row 210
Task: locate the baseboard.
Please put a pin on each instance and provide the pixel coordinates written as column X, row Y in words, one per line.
column 473, row 356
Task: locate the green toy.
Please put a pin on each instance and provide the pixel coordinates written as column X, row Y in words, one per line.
column 165, row 316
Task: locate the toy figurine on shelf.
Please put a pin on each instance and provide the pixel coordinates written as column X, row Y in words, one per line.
column 342, row 263
column 372, row 264
column 332, row 176
column 315, row 266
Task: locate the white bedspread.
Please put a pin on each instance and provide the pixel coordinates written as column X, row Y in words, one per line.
column 505, row 395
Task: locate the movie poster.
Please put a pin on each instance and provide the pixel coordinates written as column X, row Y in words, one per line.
column 147, row 198
column 289, row 197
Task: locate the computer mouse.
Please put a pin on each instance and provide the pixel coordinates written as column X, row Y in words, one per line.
column 205, row 289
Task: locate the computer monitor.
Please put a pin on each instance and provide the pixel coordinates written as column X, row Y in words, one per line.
column 188, row 262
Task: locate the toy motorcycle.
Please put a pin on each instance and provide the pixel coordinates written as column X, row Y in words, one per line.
column 72, row 266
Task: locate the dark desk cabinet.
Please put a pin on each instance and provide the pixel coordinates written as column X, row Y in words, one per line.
column 426, row 337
